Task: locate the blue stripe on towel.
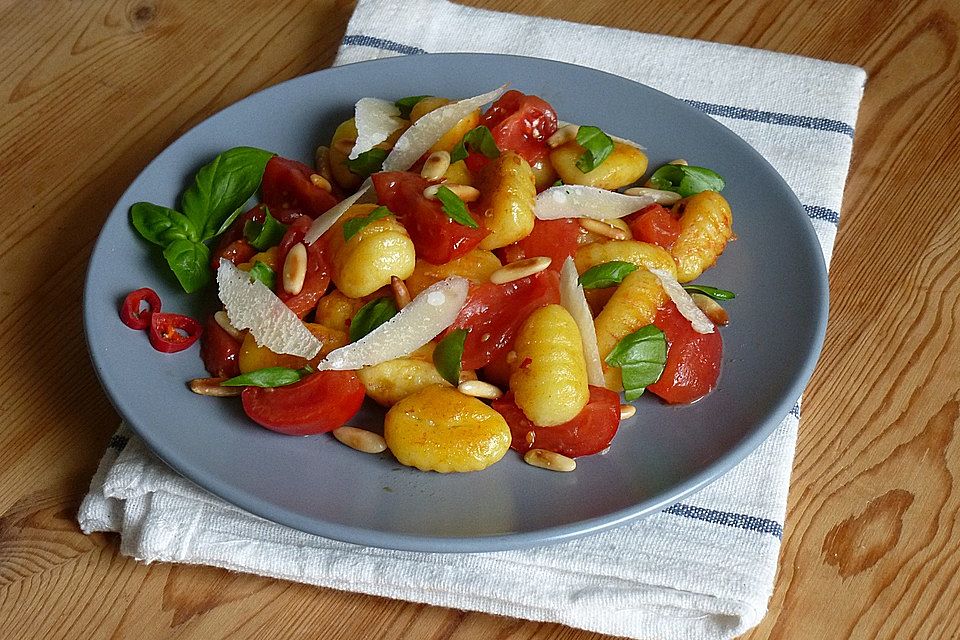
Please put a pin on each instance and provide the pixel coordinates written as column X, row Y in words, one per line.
column 118, row 442
column 822, row 213
column 727, row 519
column 773, row 117
column 380, row 43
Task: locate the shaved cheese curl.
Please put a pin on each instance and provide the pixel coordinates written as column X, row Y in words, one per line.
column 579, row 201
column 418, row 323
column 573, row 300
column 330, row 217
column 251, row 305
column 376, row 119
column 685, row 304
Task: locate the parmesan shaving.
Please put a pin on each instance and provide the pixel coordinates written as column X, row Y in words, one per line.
column 418, row 323
column 330, row 217
column 561, row 123
column 376, row 119
column 685, row 304
column 251, row 305
column 573, row 300
column 425, row 132
column 578, row 201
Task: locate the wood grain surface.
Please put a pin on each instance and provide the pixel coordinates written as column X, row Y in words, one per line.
column 90, row 91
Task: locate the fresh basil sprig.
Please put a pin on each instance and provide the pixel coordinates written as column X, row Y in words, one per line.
column 455, row 208
column 606, row 274
column 641, row 357
column 268, row 378
column 598, row 146
column 478, row 140
column 713, row 292
column 406, row 105
column 266, row 234
column 353, row 226
column 686, row 180
column 370, row 316
column 217, row 196
column 264, row 274
column 448, row 356
column 368, row 162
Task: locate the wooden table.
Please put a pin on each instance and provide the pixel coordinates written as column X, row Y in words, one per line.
column 91, row 91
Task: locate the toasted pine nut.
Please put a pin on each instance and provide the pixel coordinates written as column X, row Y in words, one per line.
column 401, row 295
column 511, row 357
column 345, row 145
column 360, row 439
column 530, row 437
column 479, row 389
column 224, row 321
column 627, row 411
column 321, row 161
column 519, row 269
column 601, row 228
column 712, row 309
column 549, row 460
column 463, row 191
column 564, row 134
column 295, row 269
column 680, row 162
column 319, row 181
column 212, row 387
column 436, row 165
column 659, row 195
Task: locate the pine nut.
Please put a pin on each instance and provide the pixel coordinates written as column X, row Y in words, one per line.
column 295, row 269
column 712, row 309
column 519, row 269
column 602, row 228
column 564, row 134
column 224, row 321
column 679, row 162
column 479, row 389
column 549, row 460
column 463, row 191
column 212, row 387
column 660, row 196
column 436, row 165
column 401, row 295
column 530, row 437
column 321, row 161
column 360, row 439
column 319, row 181
column 627, row 411
column 511, row 357
column 344, row 146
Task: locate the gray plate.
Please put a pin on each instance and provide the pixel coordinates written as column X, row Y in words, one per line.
column 317, row 485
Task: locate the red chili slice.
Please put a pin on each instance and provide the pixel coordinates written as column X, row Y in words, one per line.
column 172, row 332
column 132, row 312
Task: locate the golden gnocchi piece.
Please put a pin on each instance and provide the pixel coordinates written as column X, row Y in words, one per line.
column 336, row 310
column 545, row 176
column 450, row 139
column 268, row 258
column 623, row 166
column 706, row 225
column 368, row 260
column 342, row 143
column 390, row 382
column 549, row 375
column 253, row 357
column 642, row 254
column 476, row 266
column 457, row 173
column 440, row 429
column 507, row 197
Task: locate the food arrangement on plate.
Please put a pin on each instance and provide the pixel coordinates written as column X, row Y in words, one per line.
column 493, row 276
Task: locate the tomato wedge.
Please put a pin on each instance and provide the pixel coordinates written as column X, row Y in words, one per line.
column 656, row 225
column 172, row 332
column 521, row 123
column 318, row 269
column 232, row 245
column 320, row 402
column 219, row 350
column 132, row 311
column 436, row 238
column 693, row 359
column 556, row 239
column 287, row 189
column 591, row 431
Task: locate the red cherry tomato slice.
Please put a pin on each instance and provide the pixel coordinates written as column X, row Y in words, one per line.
column 172, row 332
column 318, row 269
column 436, row 238
column 591, row 431
column 287, row 187
column 320, row 402
column 219, row 350
column 521, row 123
column 132, row 311
column 655, row 225
column 556, row 239
column 693, row 359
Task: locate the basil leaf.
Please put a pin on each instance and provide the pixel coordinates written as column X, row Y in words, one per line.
column 406, row 105
column 606, row 275
column 353, row 226
column 641, row 357
column 221, row 188
column 455, row 208
column 713, row 292
column 558, row 183
column 448, row 356
column 597, row 145
column 479, row 140
column 266, row 234
column 370, row 316
column 367, row 162
column 161, row 225
column 190, row 262
column 686, row 180
column 267, row 378
column 264, row 274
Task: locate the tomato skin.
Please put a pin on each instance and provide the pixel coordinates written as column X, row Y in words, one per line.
column 287, row 189
column 521, row 123
column 130, row 312
column 318, row 269
column 172, row 332
column 693, row 359
column 591, row 431
column 320, row 402
column 497, row 311
column 436, row 238
column 556, row 239
column 219, row 350
column 656, row 225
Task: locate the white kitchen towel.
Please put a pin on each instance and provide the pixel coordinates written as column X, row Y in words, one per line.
column 701, row 569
